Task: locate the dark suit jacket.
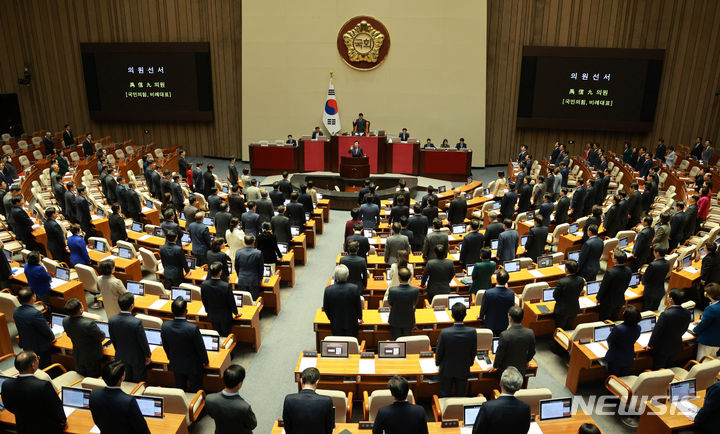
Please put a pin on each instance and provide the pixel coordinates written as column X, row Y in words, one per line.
column 87, row 340
column 515, row 348
column 635, row 207
column 182, row 167
column 128, row 337
column 642, row 248
column 357, row 265
column 306, row 201
column 508, row 242
column 236, row 205
column 249, row 267
column 198, row 180
column 495, row 305
column 505, row 414
column 613, row 286
column 666, row 338
column 222, row 223
column 307, row 412
column 87, row 148
column 507, row 206
column 118, row 231
column 612, row 221
column 22, row 225
column 281, row 228
column 471, row 246
column 116, row 412
column 134, row 206
column 546, row 209
column 184, row 346
column 431, row 240
column 654, row 277
column 400, row 417
column 232, row 414
column 208, row 182
column 590, row 254
column 678, row 227
column 437, row 274
column 710, row 270
column 492, row 232
column 398, row 211
column 277, row 198
column 251, row 223
column 418, row 224
column 267, row 244
column 217, row 297
column 341, row 303
column 213, row 203
column 28, row 397
column 173, row 260
column 264, row 207
column 431, row 212
column 621, row 342
column 457, row 210
column 56, row 240
column 535, row 245
column 456, row 349
column 402, row 300
column 233, row 174
column 524, row 196
column 200, row 238
column 286, row 187
column 155, row 188
column 111, row 187
column 68, row 138
column 566, row 295
column 708, row 418
column 33, row 329
column 295, row 211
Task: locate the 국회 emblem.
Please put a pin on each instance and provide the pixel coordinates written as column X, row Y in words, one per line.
column 363, row 42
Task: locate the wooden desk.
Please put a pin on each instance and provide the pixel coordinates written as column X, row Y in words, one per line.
column 286, row 267
column 269, row 287
column 125, row 269
column 659, row 419
column 59, row 295
column 6, row 345
column 299, row 246
column 446, row 164
column 273, row 159
column 683, row 278
column 309, row 231
column 324, row 205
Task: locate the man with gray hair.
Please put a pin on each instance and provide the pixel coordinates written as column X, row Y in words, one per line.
column 506, row 413
column 342, row 304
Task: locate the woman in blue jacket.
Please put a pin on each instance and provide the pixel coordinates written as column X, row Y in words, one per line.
column 708, row 330
column 621, row 343
column 77, row 246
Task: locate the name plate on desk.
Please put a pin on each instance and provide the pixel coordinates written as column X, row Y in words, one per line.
column 310, row 353
column 426, row 354
column 367, row 355
column 438, row 308
column 452, row 423
column 365, row 425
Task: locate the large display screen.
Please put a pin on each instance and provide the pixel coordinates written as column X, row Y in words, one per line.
column 604, row 89
column 148, row 81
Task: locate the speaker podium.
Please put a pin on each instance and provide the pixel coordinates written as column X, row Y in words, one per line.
column 354, row 167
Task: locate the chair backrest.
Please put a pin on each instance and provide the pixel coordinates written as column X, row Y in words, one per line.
column 525, row 262
column 684, row 164
column 120, row 154
column 630, row 235
column 560, row 229
column 98, row 146
column 88, row 277
column 22, row 144
column 247, row 299
column 484, row 339
column 92, row 316
column 153, row 287
column 353, row 345
column 440, row 300
column 694, row 171
column 585, row 330
column 149, row 321
column 92, row 383
column 558, row 257
column 149, row 261
column 532, row 397
column 6, row 137
column 74, row 156
column 672, row 259
column 159, row 154
column 454, row 408
column 8, row 303
column 7, row 149
column 37, row 155
column 111, row 158
column 653, row 383
column 581, row 222
column 533, row 291
column 608, row 246
column 415, row 344
column 381, row 398
column 704, row 373
column 24, row 161
column 50, row 265
column 688, row 305
column 174, row 400
column 339, row 400
column 129, row 150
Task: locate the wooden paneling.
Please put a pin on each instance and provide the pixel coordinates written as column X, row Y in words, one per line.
column 687, row 30
column 47, row 34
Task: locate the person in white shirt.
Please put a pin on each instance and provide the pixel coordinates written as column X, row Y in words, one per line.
column 235, row 238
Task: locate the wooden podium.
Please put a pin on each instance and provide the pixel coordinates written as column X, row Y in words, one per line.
column 355, row 167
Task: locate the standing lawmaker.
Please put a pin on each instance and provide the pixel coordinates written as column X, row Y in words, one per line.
column 113, row 410
column 342, row 304
column 128, row 337
column 356, row 150
column 231, row 413
column 184, row 347
column 455, row 354
column 361, row 126
column 308, row 412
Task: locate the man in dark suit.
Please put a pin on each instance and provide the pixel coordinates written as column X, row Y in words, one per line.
column 506, row 413
column 134, row 206
column 458, row 209
column 165, row 182
column 285, row 185
column 546, row 209
column 197, row 177
column 281, row 226
column 400, row 416
column 33, row 330
column 642, row 248
column 184, row 347
column 537, row 237
column 23, row 225
column 209, row 179
column 691, row 217
column 86, row 337
column 82, row 211
column 111, row 188
column 494, row 229
column 200, row 237
column 316, row 134
column 217, row 297
column 113, row 410
column 213, row 201
column 173, row 259
column 154, row 183
column 356, row 265
column 418, row 224
column 612, row 218
column 516, row 346
column 178, row 198
column 438, row 273
column 128, row 337
column 710, row 270
column 471, row 244
column 508, row 242
column 496, row 303
column 295, row 211
column 233, row 174
column 678, row 225
column 222, row 220
column 69, row 202
column 654, row 279
column 264, row 207
column 68, row 137
column 236, row 202
column 183, row 165
column 308, row 412
column 276, row 196
column 34, row 402
column 249, row 267
column 404, row 135
column 402, row 300
column 56, row 240
column 567, row 295
column 231, row 413
column 578, row 202
column 305, row 199
column 399, row 210
column 634, row 206
column 590, row 253
column 648, row 196
column 524, row 192
column 507, row 206
column 666, row 338
column 589, row 196
column 356, row 150
column 49, row 145
column 455, row 354
column 708, row 417
column 523, row 153
column 435, row 238
column 342, row 305
column 87, row 145
column 611, row 296
column 405, row 231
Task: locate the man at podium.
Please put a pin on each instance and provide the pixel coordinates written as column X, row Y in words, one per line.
column 356, row 150
column 361, row 126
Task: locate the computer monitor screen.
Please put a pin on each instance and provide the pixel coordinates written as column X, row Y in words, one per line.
column 493, row 244
column 153, row 336
column 486, row 191
column 159, row 232
column 530, row 215
column 470, row 413
column 647, row 324
column 186, row 238
column 208, row 221
column 687, row 260
column 190, row 262
column 623, row 242
column 76, row 397
column 470, row 269
column 458, row 229
column 334, row 349
column 600, row 334
column 691, row 311
column 103, row 326
column 523, row 240
column 238, row 298
column 573, row 228
column 283, row 247
column 124, row 252
column 225, row 189
column 495, row 343
column 56, row 321
column 555, row 408
column 682, row 390
column 307, row 216
column 593, row 287
column 442, row 189
column 294, row 231
column 367, row 233
column 182, row 216
column 100, row 212
column 150, row 406
column 496, row 205
column 544, row 261
column 267, row 271
column 391, row 350
column 464, row 299
column 575, row 256
column 148, row 203
column 212, row 342
column 62, row 273
column 635, row 279
column 548, row 295
column 511, row 266
column 8, row 255
column 100, row 246
column 136, row 227
column 135, row 288
column 180, row 292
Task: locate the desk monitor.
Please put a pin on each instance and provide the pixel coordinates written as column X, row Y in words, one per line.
column 495, row 343
column 182, row 216
column 159, row 232
column 486, row 191
column 186, row 238
column 238, row 298
column 512, row 266
column 575, row 255
column 687, row 260
column 548, row 295
column 470, row 269
column 225, row 189
column 135, row 288
column 150, row 406
column 442, row 189
column 470, row 413
column 8, row 255
column 573, row 228
column 149, row 203
column 124, row 252
column 103, row 325
column 593, row 287
column 136, row 227
column 458, row 229
column 267, row 271
column 100, row 212
column 367, row 233
column 283, row 247
column 190, row 262
column 56, row 322
column 623, row 242
column 523, row 240
column 601, row 333
column 544, row 261
column 703, row 252
column 464, row 299
column 212, row 342
column 691, row 311
column 680, row 390
column 181, row 292
column 647, row 324
column 493, row 244
column 391, row 350
column 100, row 246
column 62, row 273
column 76, row 397
column 153, row 337
column 496, row 205
column 334, row 349
column 294, row 231
column 307, row 216
column 634, row 280
column 208, row 221
column 559, row 408
column 529, row 215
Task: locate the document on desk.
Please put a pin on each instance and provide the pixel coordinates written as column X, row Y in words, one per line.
column 146, row 209
column 385, row 317
column 535, row 428
column 455, row 256
column 442, row 316
column 158, row 304
column 68, row 410
column 466, row 430
column 428, row 366
column 691, row 269
column 536, row 273
column 366, row 366
column 111, row 257
column 562, row 267
column 95, row 429
column 144, row 237
column 644, row 339
column 152, row 347
column 586, row 302
column 453, row 283
column 55, row 282
column 202, row 311
column 307, row 362
column 597, row 348
column 630, row 294
column 687, row 335
column 484, row 365
column 687, row 408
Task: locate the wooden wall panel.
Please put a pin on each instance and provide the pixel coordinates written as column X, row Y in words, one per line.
column 687, row 106
column 47, row 34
